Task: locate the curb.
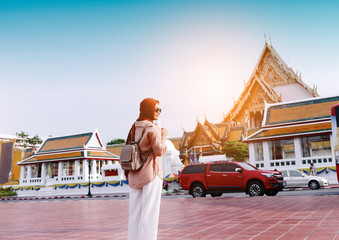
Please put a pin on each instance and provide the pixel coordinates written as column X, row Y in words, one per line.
column 81, row 196
column 306, row 188
column 124, row 195
column 61, row 197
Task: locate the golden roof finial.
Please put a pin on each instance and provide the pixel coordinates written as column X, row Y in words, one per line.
column 271, row 41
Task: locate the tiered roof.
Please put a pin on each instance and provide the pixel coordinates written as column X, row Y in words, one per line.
column 210, row 137
column 73, row 147
column 298, row 118
column 270, row 73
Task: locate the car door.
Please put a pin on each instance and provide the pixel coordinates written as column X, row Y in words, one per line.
column 215, row 177
column 287, row 178
column 232, row 179
column 297, row 179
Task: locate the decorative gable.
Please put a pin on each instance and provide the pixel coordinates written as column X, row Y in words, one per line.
column 270, row 74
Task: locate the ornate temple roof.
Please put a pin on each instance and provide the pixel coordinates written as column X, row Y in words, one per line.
column 299, row 111
column 270, row 81
column 210, row 137
column 298, row 118
column 72, row 147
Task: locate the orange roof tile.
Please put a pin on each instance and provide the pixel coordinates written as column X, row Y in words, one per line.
column 300, row 111
column 69, row 142
column 56, row 156
column 291, row 130
column 102, row 154
column 235, row 135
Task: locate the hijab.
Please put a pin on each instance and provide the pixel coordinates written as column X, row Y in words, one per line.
column 147, row 107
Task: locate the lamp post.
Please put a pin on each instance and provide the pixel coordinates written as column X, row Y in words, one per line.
column 89, row 194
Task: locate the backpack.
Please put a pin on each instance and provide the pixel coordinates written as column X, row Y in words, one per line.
column 131, row 157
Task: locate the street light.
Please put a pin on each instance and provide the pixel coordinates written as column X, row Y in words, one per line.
column 89, row 194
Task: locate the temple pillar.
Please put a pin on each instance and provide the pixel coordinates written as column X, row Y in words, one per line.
column 60, row 167
column 22, row 174
column 43, row 173
column 83, row 170
column 29, row 172
column 76, row 169
column 298, row 154
column 266, row 153
column 94, row 168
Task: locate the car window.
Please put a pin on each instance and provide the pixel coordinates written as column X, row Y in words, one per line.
column 284, row 173
column 194, row 169
column 247, row 166
column 220, row 167
column 294, row 173
column 230, row 167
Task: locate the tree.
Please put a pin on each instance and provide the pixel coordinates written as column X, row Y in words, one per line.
column 24, row 140
column 35, row 140
column 236, row 150
column 116, row 141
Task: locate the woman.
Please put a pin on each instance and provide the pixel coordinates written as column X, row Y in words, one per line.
column 146, row 183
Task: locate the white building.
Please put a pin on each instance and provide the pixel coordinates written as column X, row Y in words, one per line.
column 294, row 135
column 63, row 163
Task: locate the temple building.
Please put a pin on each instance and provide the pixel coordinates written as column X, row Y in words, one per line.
column 65, row 160
column 295, row 134
column 272, row 81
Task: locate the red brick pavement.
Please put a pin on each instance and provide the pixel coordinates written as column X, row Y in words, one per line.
column 260, row 218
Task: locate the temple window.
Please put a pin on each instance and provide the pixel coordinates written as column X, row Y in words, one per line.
column 259, row 156
column 316, row 146
column 282, row 149
column 55, row 168
column 68, row 168
column 36, row 170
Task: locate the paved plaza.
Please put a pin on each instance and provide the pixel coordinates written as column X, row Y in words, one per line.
column 279, row 217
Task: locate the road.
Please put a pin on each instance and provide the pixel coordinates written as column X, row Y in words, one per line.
column 295, row 214
column 183, row 194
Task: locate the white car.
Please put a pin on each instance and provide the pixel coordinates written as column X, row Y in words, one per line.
column 295, row 178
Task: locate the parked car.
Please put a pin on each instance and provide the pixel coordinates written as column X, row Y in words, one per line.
column 295, row 178
column 220, row 177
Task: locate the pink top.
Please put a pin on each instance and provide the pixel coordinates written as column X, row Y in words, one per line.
column 153, row 166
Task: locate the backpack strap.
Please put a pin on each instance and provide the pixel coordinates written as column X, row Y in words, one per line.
column 149, row 151
column 143, row 132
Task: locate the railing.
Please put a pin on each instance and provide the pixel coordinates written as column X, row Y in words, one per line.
column 317, row 160
column 34, row 180
column 320, row 160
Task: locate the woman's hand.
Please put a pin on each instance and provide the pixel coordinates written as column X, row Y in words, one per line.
column 164, row 133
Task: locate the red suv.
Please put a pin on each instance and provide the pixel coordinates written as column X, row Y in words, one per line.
column 219, row 177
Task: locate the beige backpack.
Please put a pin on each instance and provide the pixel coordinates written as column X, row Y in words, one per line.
column 131, row 157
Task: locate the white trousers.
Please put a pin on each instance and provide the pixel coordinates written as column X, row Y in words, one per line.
column 144, row 208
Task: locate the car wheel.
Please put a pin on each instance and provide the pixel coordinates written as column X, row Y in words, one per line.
column 255, row 189
column 314, row 185
column 198, row 190
column 271, row 192
column 216, row 194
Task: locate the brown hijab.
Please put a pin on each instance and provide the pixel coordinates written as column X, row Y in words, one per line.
column 147, row 107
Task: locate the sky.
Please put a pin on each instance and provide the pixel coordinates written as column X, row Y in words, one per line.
column 71, row 66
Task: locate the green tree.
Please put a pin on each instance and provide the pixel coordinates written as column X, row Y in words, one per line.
column 24, row 139
column 116, row 141
column 35, row 140
column 236, row 150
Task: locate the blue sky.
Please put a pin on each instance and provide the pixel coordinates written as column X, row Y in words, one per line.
column 75, row 66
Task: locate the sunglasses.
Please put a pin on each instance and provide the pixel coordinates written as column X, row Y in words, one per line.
column 158, row 110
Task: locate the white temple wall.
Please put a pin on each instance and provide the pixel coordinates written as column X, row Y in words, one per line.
column 298, row 162
column 291, row 92
column 171, row 162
